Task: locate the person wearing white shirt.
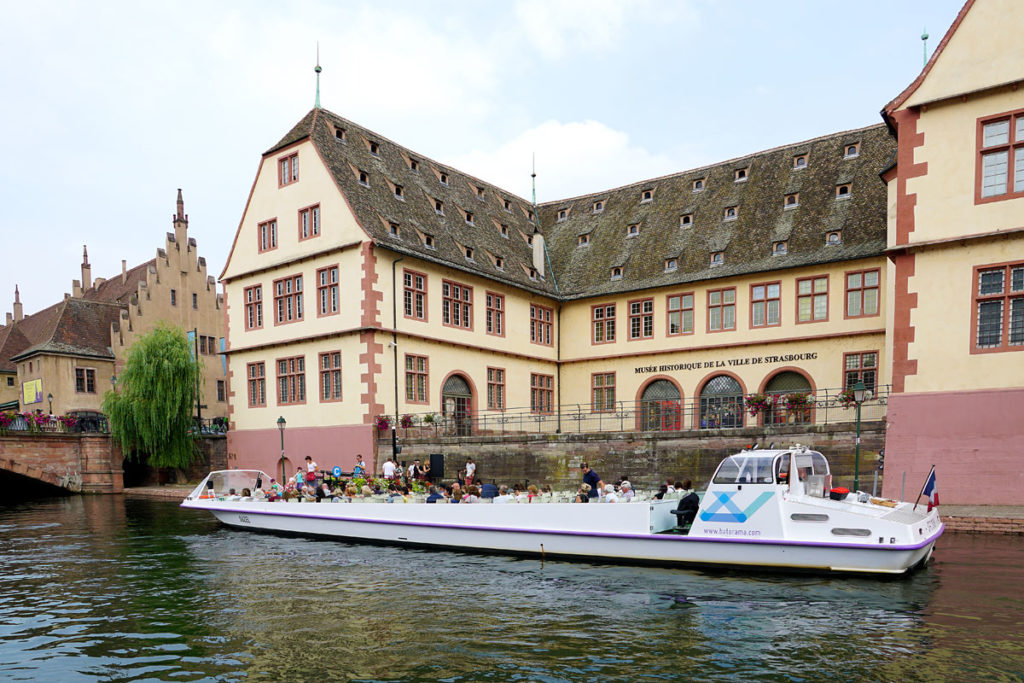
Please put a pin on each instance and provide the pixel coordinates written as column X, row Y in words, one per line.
column 609, row 494
column 389, row 469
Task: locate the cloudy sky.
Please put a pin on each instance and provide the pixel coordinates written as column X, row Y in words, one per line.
column 109, row 107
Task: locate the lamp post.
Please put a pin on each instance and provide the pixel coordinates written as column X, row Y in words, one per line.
column 860, row 394
column 49, row 398
column 280, row 425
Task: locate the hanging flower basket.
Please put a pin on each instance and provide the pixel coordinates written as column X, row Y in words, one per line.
column 408, row 421
column 757, row 403
column 846, row 399
column 798, row 400
column 383, row 422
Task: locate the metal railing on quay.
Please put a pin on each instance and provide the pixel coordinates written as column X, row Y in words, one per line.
column 825, row 406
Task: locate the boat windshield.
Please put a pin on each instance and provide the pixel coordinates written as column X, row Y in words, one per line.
column 226, row 481
column 745, row 468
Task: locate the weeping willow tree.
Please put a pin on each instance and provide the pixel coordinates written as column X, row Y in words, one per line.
column 150, row 411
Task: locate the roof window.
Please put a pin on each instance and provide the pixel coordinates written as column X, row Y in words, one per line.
column 469, row 217
column 533, row 273
column 428, row 241
column 529, row 240
column 633, row 230
column 374, row 148
column 671, row 264
column 469, row 253
column 529, row 215
column 740, row 175
column 364, row 178
column 499, row 263
column 851, row 150
column 698, row 185
column 504, row 230
column 443, row 177
column 583, row 239
column 414, row 166
column 507, row 204
column 833, row 238
column 598, row 207
column 717, row 258
column 844, row 191
column 339, row 133
column 393, row 229
column 439, row 207
column 791, row 201
column 399, row 192
column 617, row 273
column 646, row 196
column 780, row 248
column 800, row 161
column 686, row 220
column 562, row 214
column 730, row 213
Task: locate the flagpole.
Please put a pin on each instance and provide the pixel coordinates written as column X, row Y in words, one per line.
column 926, row 480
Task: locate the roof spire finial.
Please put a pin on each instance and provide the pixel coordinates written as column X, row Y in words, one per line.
column 85, row 255
column 317, row 70
column 17, row 295
column 181, row 206
column 533, row 177
column 924, row 41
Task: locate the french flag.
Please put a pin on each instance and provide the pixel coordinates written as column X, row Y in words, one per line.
column 930, row 491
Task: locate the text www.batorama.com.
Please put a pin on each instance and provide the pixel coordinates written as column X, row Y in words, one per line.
column 732, row 362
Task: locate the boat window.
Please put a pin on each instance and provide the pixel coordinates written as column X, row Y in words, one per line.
column 745, row 469
column 841, row 531
column 809, row 517
column 810, row 462
column 782, row 468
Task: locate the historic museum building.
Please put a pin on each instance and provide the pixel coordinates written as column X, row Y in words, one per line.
column 367, row 281
column 63, row 358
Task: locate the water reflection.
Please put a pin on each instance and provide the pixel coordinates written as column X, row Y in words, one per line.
column 105, row 589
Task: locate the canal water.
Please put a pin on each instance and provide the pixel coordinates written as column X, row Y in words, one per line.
column 112, row 589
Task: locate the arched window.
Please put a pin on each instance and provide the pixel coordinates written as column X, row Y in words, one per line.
column 792, row 401
column 661, row 407
column 457, row 405
column 721, row 403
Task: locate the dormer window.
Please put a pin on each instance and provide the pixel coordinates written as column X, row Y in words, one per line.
column 617, row 273
column 479, row 193
column 443, row 177
column 633, row 230
column 562, row 214
column 791, row 201
column 698, row 185
column 529, row 216
column 339, row 134
column 671, row 264
column 730, row 213
column 393, row 229
column 414, row 166
column 686, row 220
column 529, row 240
column 844, row 191
column 439, row 207
column 739, row 175
column 364, row 178
column 504, row 230
column 583, row 239
column 717, row 258
column 533, row 273
column 800, row 161
column 508, row 205
column 374, row 149
column 469, row 253
column 598, row 207
column 428, row 241
column 646, row 196
column 780, row 248
column 469, row 217
column 851, row 150
column 499, row 263
column 834, row 238
column 399, row 192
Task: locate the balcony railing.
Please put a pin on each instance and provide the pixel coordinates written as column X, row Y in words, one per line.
column 826, row 406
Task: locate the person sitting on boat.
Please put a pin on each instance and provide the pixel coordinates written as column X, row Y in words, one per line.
column 434, row 496
column 546, row 494
column 472, row 494
column 504, row 497
column 531, row 493
column 323, row 493
column 593, row 480
column 662, row 490
column 609, row 494
column 488, row 491
column 689, row 503
column 366, row 491
column 686, row 488
column 456, row 496
column 583, row 495
column 626, row 493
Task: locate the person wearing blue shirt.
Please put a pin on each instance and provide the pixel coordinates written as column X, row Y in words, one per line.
column 360, row 469
column 593, row 479
column 434, row 496
column 488, row 490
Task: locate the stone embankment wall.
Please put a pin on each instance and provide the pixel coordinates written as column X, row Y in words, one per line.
column 645, row 458
column 984, row 525
column 78, row 462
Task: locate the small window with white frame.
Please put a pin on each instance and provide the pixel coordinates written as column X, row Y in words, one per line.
column 730, row 213
column 791, row 201
column 799, row 161
column 844, row 191
column 780, row 248
column 562, row 214
column 717, row 258
column 617, row 273
column 833, row 238
column 698, row 185
column 646, row 195
column 686, row 220
column 851, row 150
column 740, row 174
column 633, row 230
column 598, row 206
column 671, row 264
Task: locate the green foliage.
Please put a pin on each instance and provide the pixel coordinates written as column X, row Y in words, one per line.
column 150, row 412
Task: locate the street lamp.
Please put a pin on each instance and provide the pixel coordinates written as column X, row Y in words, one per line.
column 49, row 397
column 280, row 425
column 860, row 394
column 113, row 382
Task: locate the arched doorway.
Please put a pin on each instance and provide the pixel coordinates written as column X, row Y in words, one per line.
column 661, row 407
column 721, row 403
column 457, row 405
column 780, row 386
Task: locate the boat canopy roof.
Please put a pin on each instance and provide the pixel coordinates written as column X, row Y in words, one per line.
column 764, row 466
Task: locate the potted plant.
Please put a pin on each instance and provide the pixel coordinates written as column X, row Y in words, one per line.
column 846, row 398
column 756, row 403
column 408, row 421
column 798, row 400
column 5, row 422
column 67, row 422
column 383, row 423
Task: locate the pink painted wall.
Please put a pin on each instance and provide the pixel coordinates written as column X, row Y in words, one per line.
column 329, row 446
column 974, row 439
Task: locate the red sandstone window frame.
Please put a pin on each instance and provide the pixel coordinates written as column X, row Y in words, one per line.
column 541, row 325
column 495, row 388
column 1014, row 143
column 856, row 374
column 329, row 364
column 641, row 318
column 456, row 305
column 602, row 392
column 288, row 304
column 328, row 301
column 291, row 380
column 414, row 295
column 679, row 309
column 309, row 222
column 288, row 169
column 766, row 300
column 721, row 306
column 417, row 379
column 811, row 296
column 266, row 235
column 861, row 291
column 542, row 393
column 85, row 380
column 256, row 382
column 253, row 298
column 494, row 321
column 1007, row 297
column 602, row 321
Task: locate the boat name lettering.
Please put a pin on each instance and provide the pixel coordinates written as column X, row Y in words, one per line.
column 726, row 363
column 244, row 519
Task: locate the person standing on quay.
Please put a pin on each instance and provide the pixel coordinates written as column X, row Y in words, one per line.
column 592, row 479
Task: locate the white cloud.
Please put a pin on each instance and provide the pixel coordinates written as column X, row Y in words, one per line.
column 572, row 158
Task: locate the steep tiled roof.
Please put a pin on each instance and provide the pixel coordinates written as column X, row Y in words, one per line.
column 376, row 205
column 747, row 241
column 12, row 342
column 113, row 290
column 76, row 327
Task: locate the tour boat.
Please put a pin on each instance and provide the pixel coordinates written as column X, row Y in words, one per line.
column 763, row 509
